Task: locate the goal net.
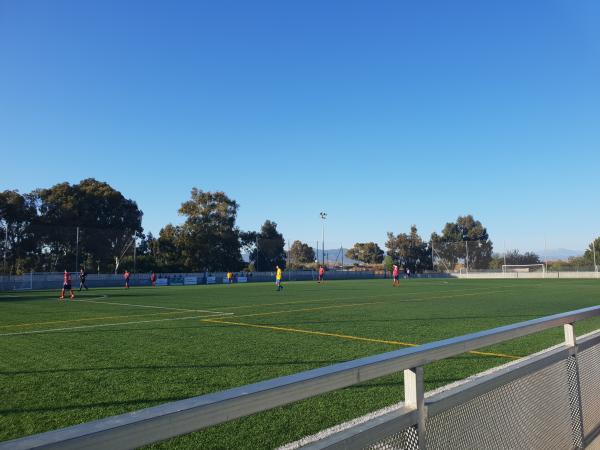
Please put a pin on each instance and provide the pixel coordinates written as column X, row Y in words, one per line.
column 523, row 268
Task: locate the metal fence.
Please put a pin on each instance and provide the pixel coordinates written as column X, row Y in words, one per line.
column 45, row 280
column 53, row 280
column 548, row 400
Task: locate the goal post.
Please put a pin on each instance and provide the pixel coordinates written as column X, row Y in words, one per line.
column 524, row 268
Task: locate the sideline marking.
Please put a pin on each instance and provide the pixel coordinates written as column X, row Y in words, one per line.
column 344, row 336
column 91, row 318
column 149, row 306
column 178, row 310
column 104, row 325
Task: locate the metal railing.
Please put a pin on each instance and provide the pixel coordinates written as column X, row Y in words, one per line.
column 161, row 422
column 53, row 280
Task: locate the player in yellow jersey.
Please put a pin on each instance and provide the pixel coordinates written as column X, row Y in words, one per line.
column 230, row 278
column 278, row 276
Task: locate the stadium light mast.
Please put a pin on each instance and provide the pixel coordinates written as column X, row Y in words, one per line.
column 5, row 244
column 77, row 250
column 545, row 254
column 323, row 218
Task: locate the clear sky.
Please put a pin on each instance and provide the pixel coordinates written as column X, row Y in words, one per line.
column 383, row 114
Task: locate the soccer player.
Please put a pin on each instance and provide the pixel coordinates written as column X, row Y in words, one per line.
column 395, row 275
column 321, row 274
column 278, row 276
column 82, row 277
column 230, row 278
column 126, row 276
column 153, row 279
column 66, row 286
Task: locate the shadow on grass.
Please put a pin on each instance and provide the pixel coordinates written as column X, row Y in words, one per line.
column 141, row 401
column 169, row 367
column 148, row 402
column 28, row 298
column 92, row 293
column 397, row 383
column 408, row 319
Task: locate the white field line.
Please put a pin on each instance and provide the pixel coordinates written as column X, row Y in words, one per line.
column 149, row 306
column 81, row 327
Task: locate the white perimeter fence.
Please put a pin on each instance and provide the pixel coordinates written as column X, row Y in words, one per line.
column 525, row 275
column 53, row 280
column 547, row 400
column 44, row 280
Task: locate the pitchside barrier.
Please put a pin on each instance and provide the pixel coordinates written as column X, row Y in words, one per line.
column 547, row 400
column 45, row 280
column 529, row 275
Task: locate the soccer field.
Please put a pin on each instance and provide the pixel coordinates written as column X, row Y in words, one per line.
column 114, row 350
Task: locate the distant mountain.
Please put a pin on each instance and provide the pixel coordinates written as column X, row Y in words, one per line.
column 554, row 254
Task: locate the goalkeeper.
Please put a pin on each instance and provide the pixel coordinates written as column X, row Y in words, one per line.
column 278, row 276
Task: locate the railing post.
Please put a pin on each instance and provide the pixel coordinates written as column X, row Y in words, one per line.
column 414, row 395
column 574, row 387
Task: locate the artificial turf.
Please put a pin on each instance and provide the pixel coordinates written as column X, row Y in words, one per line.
column 114, row 350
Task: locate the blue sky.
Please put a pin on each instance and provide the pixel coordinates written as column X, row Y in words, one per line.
column 383, row 114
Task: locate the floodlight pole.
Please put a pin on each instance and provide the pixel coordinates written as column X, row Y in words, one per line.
column 323, row 240
column 77, row 250
column 256, row 265
column 5, row 244
column 323, row 218
column 545, row 254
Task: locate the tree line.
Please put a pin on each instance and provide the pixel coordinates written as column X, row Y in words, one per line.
column 464, row 240
column 92, row 224
column 461, row 243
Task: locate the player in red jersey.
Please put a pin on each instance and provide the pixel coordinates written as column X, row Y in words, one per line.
column 395, row 274
column 153, row 279
column 321, row 274
column 66, row 286
column 126, row 276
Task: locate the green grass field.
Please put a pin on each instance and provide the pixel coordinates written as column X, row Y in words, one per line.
column 114, row 350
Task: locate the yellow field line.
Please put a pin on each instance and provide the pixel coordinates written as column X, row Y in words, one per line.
column 344, row 336
column 89, row 318
column 469, row 292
